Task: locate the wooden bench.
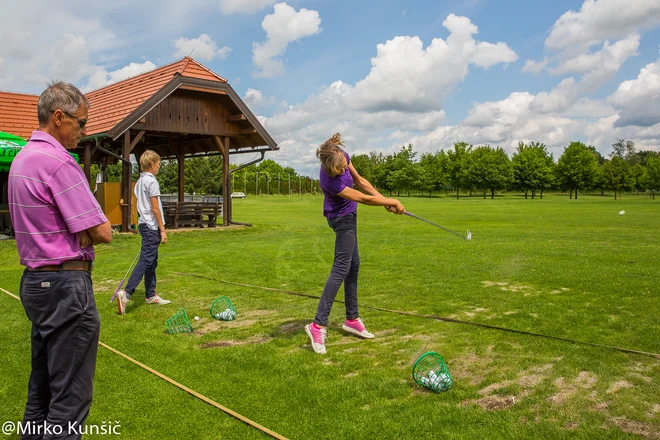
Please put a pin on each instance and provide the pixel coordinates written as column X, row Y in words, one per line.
column 180, row 214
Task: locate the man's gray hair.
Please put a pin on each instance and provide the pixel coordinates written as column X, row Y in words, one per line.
column 59, row 95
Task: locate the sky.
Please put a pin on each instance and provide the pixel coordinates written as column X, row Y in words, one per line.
column 382, row 73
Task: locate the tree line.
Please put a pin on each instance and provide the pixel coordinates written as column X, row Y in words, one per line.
column 531, row 170
column 462, row 168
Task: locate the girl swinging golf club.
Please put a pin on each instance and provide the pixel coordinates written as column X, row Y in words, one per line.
column 340, row 208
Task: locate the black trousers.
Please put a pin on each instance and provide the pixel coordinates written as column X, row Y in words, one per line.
column 345, row 269
column 65, row 335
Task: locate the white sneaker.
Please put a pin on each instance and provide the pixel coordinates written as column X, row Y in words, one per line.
column 356, row 326
column 157, row 300
column 122, row 301
column 318, row 337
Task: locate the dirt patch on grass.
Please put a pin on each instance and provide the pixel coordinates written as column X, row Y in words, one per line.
column 584, row 380
column 602, row 406
column 258, row 313
column 215, row 325
column 293, row 326
column 530, row 380
column 641, row 377
column 385, row 332
column 527, row 379
column 637, row 428
column 618, row 385
column 493, row 283
column 492, row 403
column 471, row 367
column 571, row 426
column 639, row 367
column 507, row 287
column 233, row 343
column 236, row 323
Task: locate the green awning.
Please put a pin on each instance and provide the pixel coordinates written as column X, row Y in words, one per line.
column 10, row 145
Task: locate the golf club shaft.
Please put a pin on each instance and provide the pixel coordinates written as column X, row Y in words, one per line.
column 125, row 275
column 434, row 224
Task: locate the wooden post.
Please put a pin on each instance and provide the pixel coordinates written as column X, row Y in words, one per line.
column 87, row 159
column 127, row 177
column 126, row 183
column 104, row 168
column 226, row 180
column 182, row 178
column 138, row 155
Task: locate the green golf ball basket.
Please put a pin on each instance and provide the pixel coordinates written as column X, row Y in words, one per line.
column 430, row 371
column 179, row 323
column 223, row 309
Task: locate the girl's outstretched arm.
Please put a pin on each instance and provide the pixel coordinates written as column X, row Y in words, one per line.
column 392, row 205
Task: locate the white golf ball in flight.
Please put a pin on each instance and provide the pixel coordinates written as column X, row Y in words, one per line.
column 622, row 212
column 196, row 318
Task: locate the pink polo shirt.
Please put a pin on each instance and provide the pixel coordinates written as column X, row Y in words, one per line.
column 49, row 203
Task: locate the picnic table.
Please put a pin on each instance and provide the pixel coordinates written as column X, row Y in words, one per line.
column 181, row 214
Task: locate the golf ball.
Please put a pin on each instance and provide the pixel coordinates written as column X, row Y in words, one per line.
column 196, row 318
column 622, row 212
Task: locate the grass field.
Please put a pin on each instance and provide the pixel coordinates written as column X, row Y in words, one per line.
column 567, row 268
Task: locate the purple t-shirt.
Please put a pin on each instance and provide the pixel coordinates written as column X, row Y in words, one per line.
column 334, row 205
column 49, row 203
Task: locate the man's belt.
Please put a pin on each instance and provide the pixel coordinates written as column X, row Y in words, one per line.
column 67, row 265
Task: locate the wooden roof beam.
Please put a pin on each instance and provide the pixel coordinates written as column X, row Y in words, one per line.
column 237, row 118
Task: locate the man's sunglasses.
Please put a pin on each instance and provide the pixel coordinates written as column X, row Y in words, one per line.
column 81, row 121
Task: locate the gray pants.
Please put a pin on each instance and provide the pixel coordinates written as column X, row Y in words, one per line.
column 65, row 334
column 344, row 270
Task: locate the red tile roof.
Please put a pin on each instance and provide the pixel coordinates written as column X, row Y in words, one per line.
column 18, row 113
column 109, row 104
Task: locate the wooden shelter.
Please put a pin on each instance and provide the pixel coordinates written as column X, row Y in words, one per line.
column 179, row 110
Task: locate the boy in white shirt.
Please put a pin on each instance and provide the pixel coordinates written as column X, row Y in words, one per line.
column 151, row 225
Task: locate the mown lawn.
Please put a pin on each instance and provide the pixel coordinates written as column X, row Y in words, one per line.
column 567, row 268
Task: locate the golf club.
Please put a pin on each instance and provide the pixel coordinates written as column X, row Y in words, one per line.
column 124, row 279
column 467, row 237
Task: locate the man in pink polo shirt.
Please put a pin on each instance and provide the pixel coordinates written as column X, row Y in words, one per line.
column 57, row 221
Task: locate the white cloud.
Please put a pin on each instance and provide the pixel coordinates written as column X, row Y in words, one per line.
column 400, row 99
column 609, row 58
column 639, row 99
column 632, row 113
column 600, row 20
column 36, row 51
column 243, row 6
column 101, row 77
column 202, row 48
column 489, row 54
column 256, row 100
column 535, row 66
column 282, row 27
column 596, row 67
column 406, row 77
